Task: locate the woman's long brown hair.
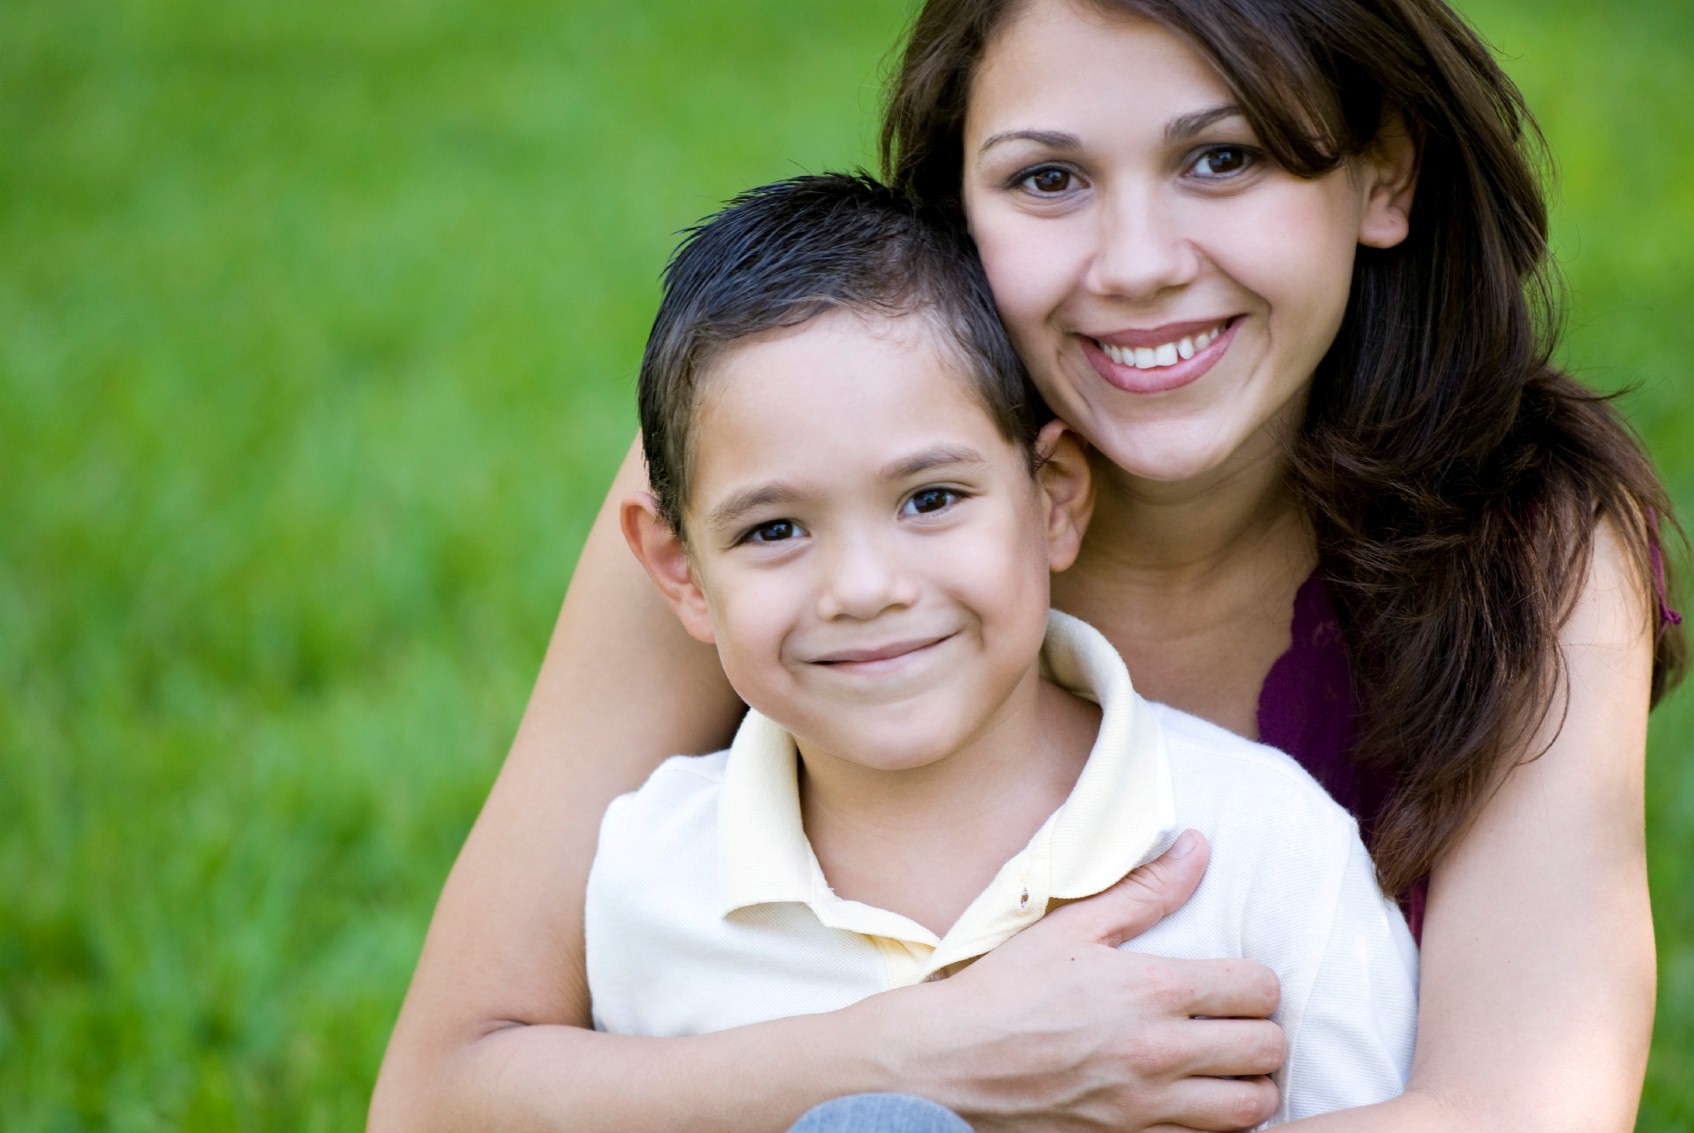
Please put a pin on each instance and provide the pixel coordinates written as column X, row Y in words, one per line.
column 1454, row 477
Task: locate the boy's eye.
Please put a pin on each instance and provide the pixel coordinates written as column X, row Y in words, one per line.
column 930, row 500
column 1223, row 161
column 776, row 531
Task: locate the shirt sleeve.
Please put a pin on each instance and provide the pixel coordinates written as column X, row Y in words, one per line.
column 1350, row 1041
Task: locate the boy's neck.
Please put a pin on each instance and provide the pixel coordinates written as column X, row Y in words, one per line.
column 924, row 842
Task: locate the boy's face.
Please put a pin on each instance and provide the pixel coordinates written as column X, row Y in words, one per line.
column 867, row 551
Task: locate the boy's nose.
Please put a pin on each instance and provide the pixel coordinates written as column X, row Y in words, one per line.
column 862, row 578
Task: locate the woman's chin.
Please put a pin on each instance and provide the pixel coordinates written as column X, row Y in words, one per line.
column 1164, row 460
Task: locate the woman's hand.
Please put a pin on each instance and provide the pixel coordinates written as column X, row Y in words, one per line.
column 1053, row 1030
column 1057, row 1029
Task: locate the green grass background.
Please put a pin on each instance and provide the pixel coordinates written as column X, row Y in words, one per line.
column 318, row 327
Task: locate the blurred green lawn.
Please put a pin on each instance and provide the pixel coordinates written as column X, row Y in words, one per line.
column 318, row 326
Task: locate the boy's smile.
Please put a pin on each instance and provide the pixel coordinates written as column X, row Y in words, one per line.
column 867, row 551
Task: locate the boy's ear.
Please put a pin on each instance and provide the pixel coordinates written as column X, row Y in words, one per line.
column 1067, row 488
column 1389, row 168
column 666, row 560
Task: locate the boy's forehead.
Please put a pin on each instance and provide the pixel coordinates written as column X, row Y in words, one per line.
column 852, row 385
column 920, row 329
column 852, row 361
column 836, row 356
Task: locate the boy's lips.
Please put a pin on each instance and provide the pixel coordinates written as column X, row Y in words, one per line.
column 871, row 657
column 1162, row 358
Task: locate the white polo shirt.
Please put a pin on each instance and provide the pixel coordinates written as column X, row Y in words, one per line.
column 707, row 909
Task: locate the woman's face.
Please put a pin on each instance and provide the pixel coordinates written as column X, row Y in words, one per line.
column 1170, row 288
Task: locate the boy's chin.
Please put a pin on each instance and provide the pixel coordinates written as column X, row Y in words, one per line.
column 892, row 750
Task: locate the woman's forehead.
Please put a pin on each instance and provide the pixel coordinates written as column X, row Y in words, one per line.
column 1072, row 59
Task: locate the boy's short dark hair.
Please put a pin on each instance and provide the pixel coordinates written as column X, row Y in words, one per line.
column 788, row 252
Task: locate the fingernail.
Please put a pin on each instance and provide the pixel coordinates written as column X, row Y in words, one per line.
column 1183, row 846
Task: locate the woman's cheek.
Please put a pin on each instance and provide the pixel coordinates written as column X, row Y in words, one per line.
column 1032, row 269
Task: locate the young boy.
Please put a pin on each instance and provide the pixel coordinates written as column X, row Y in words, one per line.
column 855, row 497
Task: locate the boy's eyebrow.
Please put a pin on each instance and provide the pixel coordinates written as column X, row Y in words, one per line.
column 729, row 513
column 937, row 456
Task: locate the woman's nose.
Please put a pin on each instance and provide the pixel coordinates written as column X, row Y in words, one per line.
column 864, row 577
column 1141, row 247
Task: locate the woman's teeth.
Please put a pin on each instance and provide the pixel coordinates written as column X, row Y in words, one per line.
column 1168, row 354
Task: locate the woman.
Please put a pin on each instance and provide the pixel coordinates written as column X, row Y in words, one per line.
column 1271, row 260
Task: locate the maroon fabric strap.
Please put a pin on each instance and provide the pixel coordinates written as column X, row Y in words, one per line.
column 1307, row 708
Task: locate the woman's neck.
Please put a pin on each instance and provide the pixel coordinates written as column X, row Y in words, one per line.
column 1196, row 527
column 1194, row 583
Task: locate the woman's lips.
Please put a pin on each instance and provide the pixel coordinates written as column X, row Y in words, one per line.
column 1158, row 362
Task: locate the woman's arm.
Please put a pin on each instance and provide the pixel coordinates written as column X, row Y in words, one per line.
column 1536, row 1002
column 622, row 686
column 1056, row 1024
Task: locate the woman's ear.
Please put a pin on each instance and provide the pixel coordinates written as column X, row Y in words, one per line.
column 1389, row 168
column 665, row 559
column 1067, row 490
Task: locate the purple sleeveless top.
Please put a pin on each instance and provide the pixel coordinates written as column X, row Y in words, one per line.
column 1308, row 709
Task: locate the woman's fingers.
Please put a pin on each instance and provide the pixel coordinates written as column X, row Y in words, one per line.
column 1061, row 1029
column 1220, row 1105
column 1217, row 988
column 1144, row 897
column 1225, row 989
column 1224, row 1048
column 1189, row 1056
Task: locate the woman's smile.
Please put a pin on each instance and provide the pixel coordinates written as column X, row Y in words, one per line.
column 1177, row 355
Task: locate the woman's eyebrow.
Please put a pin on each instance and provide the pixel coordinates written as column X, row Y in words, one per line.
column 1177, row 129
column 1053, row 139
column 1187, row 125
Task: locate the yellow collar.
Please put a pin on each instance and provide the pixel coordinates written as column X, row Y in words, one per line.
column 1118, row 815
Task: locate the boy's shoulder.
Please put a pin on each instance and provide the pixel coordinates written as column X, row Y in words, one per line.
column 1277, row 836
column 1291, row 885
column 686, row 773
column 656, row 858
column 1215, row 762
column 678, row 797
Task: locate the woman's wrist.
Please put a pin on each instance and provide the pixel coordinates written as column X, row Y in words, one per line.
column 888, row 1043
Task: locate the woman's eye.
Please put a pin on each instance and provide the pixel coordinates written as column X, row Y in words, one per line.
column 1047, row 181
column 776, row 531
column 1223, row 161
column 930, row 500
